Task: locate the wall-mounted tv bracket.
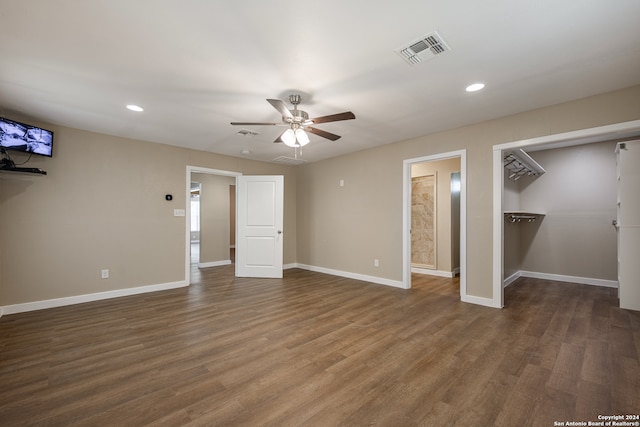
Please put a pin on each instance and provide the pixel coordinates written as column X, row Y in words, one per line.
column 8, row 165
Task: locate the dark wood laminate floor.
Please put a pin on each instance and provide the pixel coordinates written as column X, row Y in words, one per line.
column 318, row 350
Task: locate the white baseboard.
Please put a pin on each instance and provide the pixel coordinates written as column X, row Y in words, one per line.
column 214, row 263
column 78, row 299
column 509, row 280
column 561, row 278
column 349, row 275
column 439, row 273
column 487, row 302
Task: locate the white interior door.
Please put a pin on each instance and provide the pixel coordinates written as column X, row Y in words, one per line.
column 260, row 205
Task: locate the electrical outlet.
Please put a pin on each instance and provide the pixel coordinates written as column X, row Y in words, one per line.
column 376, row 262
column 105, row 273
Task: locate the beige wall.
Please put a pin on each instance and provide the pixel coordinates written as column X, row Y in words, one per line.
column 102, row 206
column 345, row 228
column 442, row 169
column 215, row 216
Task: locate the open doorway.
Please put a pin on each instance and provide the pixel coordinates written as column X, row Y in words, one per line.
column 214, row 217
column 194, row 204
column 435, row 217
column 586, row 136
column 459, row 157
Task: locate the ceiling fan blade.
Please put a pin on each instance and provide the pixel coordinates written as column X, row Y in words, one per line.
column 322, row 133
column 253, row 124
column 347, row 115
column 281, row 107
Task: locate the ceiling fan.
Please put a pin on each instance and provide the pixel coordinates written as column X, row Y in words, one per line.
column 298, row 122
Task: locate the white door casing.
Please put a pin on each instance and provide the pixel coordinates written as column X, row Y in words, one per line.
column 259, row 241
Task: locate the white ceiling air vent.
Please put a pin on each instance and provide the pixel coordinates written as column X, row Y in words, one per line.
column 289, row 160
column 247, row 132
column 422, row 49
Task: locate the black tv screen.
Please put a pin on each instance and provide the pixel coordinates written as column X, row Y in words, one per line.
column 22, row 137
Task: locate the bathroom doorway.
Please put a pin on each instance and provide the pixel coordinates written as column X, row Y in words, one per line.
column 460, row 186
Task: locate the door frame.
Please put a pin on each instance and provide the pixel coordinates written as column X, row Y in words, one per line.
column 191, row 170
column 616, row 131
column 406, row 216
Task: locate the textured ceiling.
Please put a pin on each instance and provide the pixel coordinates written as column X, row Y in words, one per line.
column 195, row 66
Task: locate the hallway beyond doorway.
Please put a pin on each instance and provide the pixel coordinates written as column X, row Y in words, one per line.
column 195, row 254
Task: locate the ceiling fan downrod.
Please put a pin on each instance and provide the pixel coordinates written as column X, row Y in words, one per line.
column 297, row 116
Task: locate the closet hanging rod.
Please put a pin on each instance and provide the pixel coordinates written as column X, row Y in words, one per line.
column 523, row 216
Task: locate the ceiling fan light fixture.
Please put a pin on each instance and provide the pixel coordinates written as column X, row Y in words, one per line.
column 289, row 138
column 302, row 137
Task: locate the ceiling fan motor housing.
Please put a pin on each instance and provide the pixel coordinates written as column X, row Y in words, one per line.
column 298, row 116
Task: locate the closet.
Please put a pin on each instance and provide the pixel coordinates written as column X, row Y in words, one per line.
column 558, row 206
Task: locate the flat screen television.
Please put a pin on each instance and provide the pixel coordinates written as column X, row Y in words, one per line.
column 26, row 138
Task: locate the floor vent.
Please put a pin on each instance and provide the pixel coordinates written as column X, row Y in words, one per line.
column 423, row 49
column 288, row 160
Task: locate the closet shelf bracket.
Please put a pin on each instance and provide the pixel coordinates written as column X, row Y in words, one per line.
column 519, row 164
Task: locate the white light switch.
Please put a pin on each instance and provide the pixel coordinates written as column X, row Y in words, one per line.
column 178, row 212
column 342, row 183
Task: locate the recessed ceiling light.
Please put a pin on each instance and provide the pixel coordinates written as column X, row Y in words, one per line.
column 475, row 87
column 246, row 152
column 134, row 107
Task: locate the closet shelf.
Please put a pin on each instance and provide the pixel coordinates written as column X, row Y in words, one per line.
column 516, row 216
column 519, row 164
